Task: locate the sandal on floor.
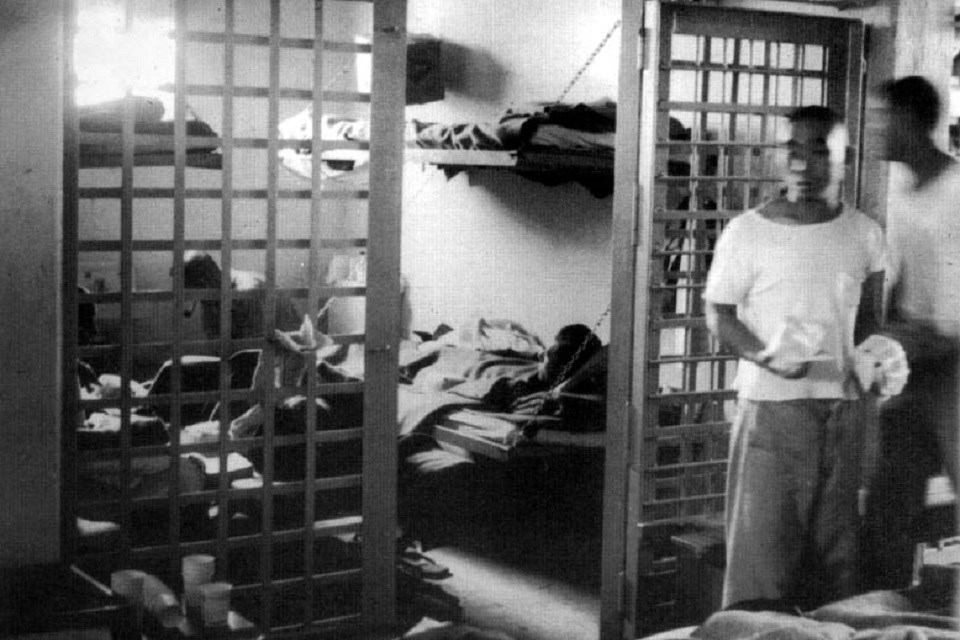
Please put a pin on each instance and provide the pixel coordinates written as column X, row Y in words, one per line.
column 423, row 566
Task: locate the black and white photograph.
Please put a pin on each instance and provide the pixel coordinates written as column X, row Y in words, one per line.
column 480, row 319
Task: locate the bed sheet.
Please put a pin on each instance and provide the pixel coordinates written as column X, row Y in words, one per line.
column 450, row 399
column 912, row 614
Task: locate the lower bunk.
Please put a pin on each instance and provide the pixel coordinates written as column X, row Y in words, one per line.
column 145, row 493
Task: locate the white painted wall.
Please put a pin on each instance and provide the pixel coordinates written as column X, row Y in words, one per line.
column 30, row 203
column 493, row 244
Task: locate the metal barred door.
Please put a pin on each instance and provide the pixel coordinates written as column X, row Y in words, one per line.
column 297, row 508
column 717, row 85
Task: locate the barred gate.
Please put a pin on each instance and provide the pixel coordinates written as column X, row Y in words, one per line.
column 717, row 85
column 152, row 472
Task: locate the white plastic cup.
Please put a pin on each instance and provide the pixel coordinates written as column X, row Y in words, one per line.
column 192, row 600
column 198, row 568
column 215, row 599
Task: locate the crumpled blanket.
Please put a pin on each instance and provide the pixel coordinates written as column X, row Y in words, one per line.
column 888, row 615
column 149, row 476
column 769, row 625
column 884, row 609
column 518, row 127
column 497, row 335
column 581, row 128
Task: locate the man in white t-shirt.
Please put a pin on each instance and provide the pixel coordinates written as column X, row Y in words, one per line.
column 919, row 427
column 804, row 262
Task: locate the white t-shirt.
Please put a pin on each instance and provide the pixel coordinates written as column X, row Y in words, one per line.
column 812, row 273
column 923, row 230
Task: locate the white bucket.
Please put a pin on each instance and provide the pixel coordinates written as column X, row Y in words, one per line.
column 198, row 568
column 215, row 599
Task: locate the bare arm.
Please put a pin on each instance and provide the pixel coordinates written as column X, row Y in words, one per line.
column 723, row 323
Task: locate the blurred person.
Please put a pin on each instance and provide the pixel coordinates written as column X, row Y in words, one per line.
column 918, row 429
column 804, row 261
column 201, row 271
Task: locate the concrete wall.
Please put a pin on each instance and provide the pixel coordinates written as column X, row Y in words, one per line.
column 30, row 202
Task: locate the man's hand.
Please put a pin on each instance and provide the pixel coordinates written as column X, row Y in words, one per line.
column 540, row 402
column 793, row 372
column 788, row 371
column 723, row 322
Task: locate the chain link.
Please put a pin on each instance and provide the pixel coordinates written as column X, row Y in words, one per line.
column 564, row 374
column 586, row 65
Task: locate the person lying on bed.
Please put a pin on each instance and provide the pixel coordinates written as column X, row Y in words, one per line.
column 574, row 362
column 201, row 271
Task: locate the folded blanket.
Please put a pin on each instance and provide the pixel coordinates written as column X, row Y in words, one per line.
column 418, row 411
column 152, row 138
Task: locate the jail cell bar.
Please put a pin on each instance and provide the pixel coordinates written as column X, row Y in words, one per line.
column 719, row 84
column 291, row 575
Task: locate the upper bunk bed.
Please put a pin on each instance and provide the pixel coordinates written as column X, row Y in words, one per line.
column 101, row 124
column 552, row 144
column 101, row 136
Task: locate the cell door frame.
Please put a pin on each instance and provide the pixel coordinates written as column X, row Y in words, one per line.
column 642, row 124
column 377, row 579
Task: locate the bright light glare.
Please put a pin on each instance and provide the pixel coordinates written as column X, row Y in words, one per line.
column 109, row 60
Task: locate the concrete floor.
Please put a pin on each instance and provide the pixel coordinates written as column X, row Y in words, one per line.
column 521, row 604
column 526, row 560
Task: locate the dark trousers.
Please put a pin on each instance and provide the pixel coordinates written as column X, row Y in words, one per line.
column 918, row 432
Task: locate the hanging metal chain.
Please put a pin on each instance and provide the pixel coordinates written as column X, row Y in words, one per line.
column 565, row 372
column 586, row 65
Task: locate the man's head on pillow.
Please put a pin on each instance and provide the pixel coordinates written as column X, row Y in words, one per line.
column 200, row 271
column 573, row 346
